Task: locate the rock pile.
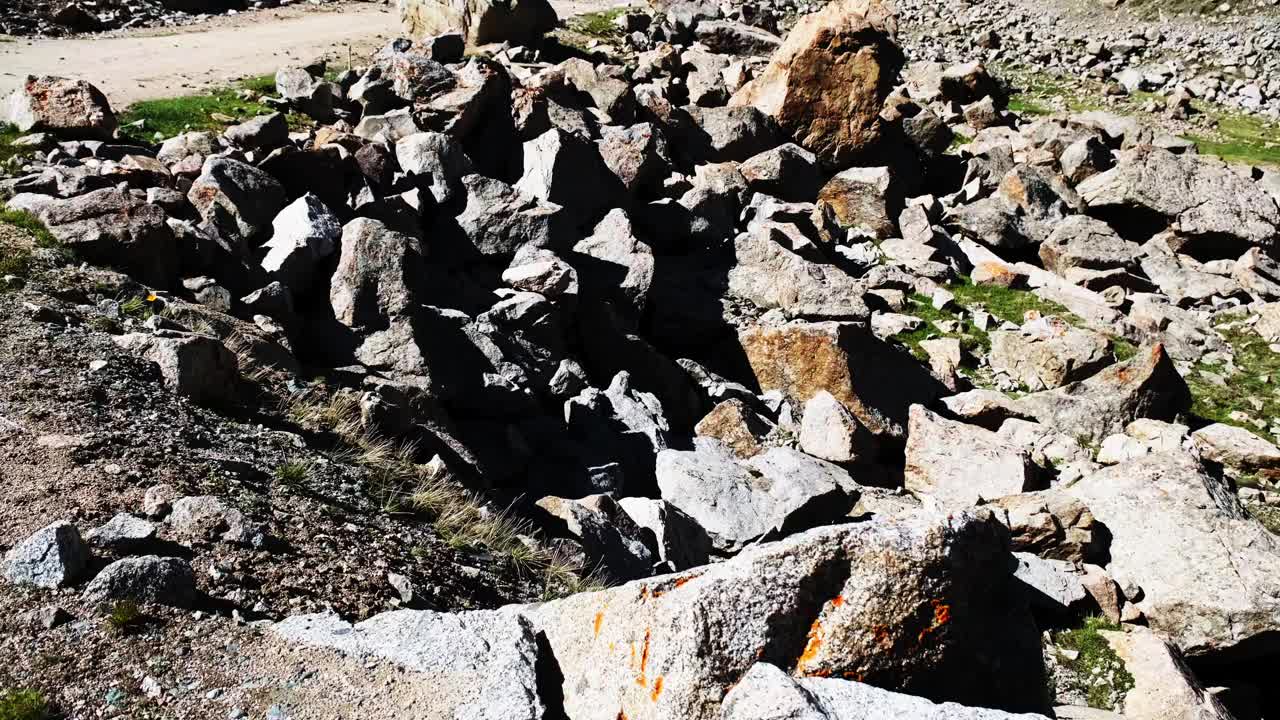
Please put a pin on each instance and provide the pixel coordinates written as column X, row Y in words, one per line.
column 671, row 305
column 67, row 17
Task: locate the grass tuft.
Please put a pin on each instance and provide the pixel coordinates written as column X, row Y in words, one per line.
column 461, row 518
column 292, row 472
column 125, row 617
column 9, row 133
column 1096, row 671
column 598, row 24
column 18, row 704
column 16, row 259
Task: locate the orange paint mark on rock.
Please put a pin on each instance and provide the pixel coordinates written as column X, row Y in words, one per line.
column 599, row 620
column 657, row 689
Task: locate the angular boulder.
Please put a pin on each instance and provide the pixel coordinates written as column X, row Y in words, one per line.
column 1205, row 576
column 149, row 579
column 68, row 108
column 1163, row 685
column 740, row 501
column 52, row 557
column 236, row 199
column 828, row 82
column 1146, row 386
column 768, row 693
column 519, row 22
column 920, row 603
column 303, row 234
column 866, row 375
column 192, row 365
column 1048, row 353
column 959, row 465
column 772, row 276
column 378, row 274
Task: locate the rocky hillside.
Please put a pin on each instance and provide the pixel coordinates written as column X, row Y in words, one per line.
column 709, row 373
column 68, row 17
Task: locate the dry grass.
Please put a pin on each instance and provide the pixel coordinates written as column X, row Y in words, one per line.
column 463, row 519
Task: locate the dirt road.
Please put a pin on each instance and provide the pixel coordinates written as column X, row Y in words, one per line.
column 171, row 62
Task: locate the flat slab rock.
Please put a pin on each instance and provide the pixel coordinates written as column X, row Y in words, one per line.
column 480, row 664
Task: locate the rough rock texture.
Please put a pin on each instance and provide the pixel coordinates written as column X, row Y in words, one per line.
column 859, row 370
column 1146, row 386
column 480, row 664
column 146, row 579
column 1163, row 686
column 768, row 693
column 920, row 603
column 1048, row 354
column 738, row 502
column 1051, row 524
column 196, row 366
column 771, row 276
column 480, row 21
column 1238, row 449
column 52, row 557
column 68, row 108
column 959, row 464
column 826, row 84
column 1208, row 575
column 377, row 275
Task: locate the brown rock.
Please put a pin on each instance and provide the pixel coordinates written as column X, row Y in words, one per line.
column 867, row 376
column 733, row 424
column 829, row 80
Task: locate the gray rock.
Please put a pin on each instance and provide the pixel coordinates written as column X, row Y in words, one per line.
column 851, row 599
column 122, row 533
column 613, row 542
column 480, row 22
column 1163, row 685
column 614, row 264
column 1048, row 353
column 439, row 157
column 767, row 693
column 959, row 465
column 1258, row 274
column 189, row 145
column 148, row 580
column 1238, row 449
column 479, row 665
column 1080, row 241
column 771, row 276
column 192, row 365
column 735, row 133
column 637, row 155
column 203, row 517
column 1051, row 585
column 52, row 557
column 567, row 170
column 1146, row 386
column 110, row 226
column 260, row 133
column 738, row 502
column 788, row 172
column 68, row 108
column 1203, row 574
column 236, row 199
column 1202, row 198
column 830, row 432
column 498, row 220
column 390, row 127
column 682, row 543
column 378, row 275
column 1181, row 279
column 303, row 234
column 735, row 425
column 735, row 38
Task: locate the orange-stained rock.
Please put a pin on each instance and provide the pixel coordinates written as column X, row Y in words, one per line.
column 734, row 424
column 874, row 380
column 828, row 82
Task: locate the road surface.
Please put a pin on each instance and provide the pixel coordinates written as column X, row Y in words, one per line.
column 171, row 62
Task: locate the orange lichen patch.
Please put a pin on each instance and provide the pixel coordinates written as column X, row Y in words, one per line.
column 621, row 715
column 813, row 645
column 657, row 689
column 599, row 620
column 941, row 613
column 644, row 653
column 837, row 601
column 641, row 677
column 680, row 581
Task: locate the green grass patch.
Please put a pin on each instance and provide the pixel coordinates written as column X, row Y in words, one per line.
column 213, row 111
column 1006, row 303
column 1267, row 515
column 1096, row 671
column 8, row 134
column 1241, row 138
column 598, row 24
column 23, row 705
column 293, row 472
column 1257, row 370
column 16, row 259
column 125, row 617
column 971, row 338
